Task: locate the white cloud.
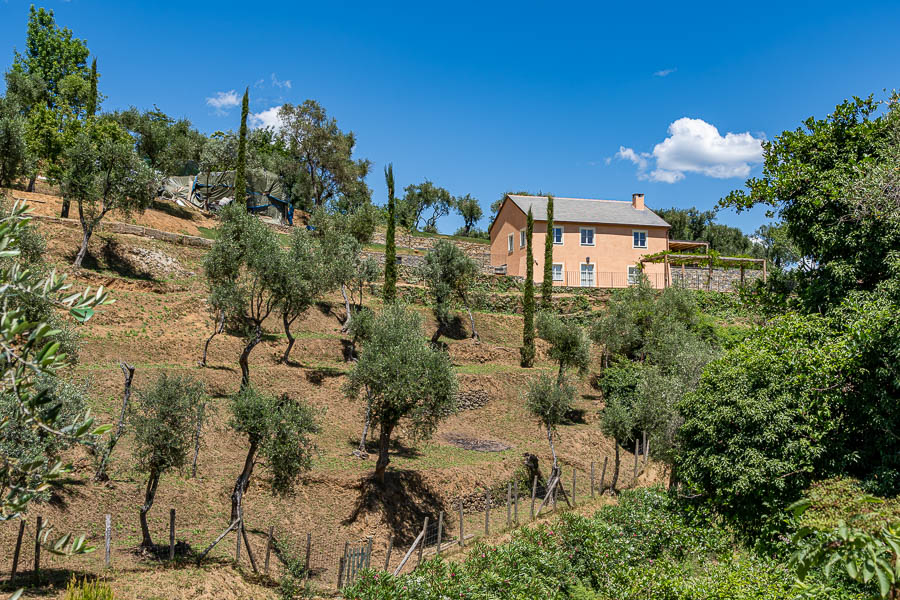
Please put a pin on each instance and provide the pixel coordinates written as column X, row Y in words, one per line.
column 695, row 146
column 664, row 72
column 281, row 84
column 266, row 118
column 222, row 101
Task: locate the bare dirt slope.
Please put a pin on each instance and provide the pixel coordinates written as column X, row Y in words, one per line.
column 159, row 322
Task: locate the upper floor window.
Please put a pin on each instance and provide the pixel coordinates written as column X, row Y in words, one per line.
column 587, row 236
column 522, row 240
column 640, row 238
column 557, row 235
column 509, row 243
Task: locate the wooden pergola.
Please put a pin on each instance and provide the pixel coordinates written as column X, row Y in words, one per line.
column 676, row 256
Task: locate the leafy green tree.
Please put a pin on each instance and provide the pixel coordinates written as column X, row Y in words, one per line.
column 13, row 145
column 244, row 264
column 470, row 211
column 700, row 226
column 420, row 198
column 617, row 422
column 527, row 349
column 406, row 380
column 321, row 170
column 240, row 172
column 102, row 173
column 547, row 283
column 807, row 179
column 30, row 354
column 570, row 346
column 170, row 146
column 279, row 432
column 449, row 273
column 298, row 282
column 389, row 290
column 163, row 433
column 549, row 399
column 93, row 101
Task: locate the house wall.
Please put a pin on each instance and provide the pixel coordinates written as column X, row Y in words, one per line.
column 612, row 253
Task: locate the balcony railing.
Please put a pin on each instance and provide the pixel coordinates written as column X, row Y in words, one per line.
column 605, row 279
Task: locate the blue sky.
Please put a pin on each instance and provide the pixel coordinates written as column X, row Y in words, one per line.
column 586, row 100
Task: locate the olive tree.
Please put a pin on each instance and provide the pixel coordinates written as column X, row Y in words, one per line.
column 469, row 210
column 163, row 433
column 407, row 381
column 298, row 282
column 570, row 346
column 549, row 399
column 245, row 258
column 102, row 172
column 449, row 273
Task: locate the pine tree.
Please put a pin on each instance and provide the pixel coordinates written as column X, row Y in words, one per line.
column 91, row 108
column 527, row 349
column 390, row 246
column 240, row 175
column 547, row 284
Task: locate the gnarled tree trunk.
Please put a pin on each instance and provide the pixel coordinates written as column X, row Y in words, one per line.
column 243, row 480
column 244, row 360
column 149, row 496
column 361, row 449
column 384, row 442
column 219, row 328
column 346, row 326
column 101, row 475
column 290, row 338
column 87, row 231
column 472, row 321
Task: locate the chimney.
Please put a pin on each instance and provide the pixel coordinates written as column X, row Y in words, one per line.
column 637, row 201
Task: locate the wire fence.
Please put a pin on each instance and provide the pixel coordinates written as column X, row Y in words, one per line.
column 335, row 562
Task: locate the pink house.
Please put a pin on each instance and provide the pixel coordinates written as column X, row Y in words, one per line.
column 596, row 243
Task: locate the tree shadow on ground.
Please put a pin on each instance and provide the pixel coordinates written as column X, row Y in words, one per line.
column 396, row 448
column 64, row 490
column 46, row 584
column 317, row 375
column 170, row 208
column 110, row 258
column 455, row 329
column 403, row 499
column 575, row 416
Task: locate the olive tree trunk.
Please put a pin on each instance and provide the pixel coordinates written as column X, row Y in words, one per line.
column 346, row 326
column 219, row 328
column 87, row 230
column 384, row 442
column 243, row 480
column 245, row 355
column 287, row 332
column 149, row 496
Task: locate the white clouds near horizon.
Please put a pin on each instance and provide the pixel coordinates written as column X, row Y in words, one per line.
column 223, row 101
column 266, row 119
column 695, row 146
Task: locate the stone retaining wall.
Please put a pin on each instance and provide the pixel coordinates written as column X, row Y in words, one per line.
column 138, row 230
column 480, row 253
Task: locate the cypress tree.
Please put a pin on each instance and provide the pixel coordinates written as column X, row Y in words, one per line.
column 91, row 108
column 547, row 284
column 240, row 176
column 390, row 246
column 527, row 349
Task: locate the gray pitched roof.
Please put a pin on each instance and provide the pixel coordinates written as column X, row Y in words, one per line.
column 583, row 210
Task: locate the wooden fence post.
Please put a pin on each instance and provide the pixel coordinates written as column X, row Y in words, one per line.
column 462, row 538
column 37, row 546
column 107, row 539
column 171, row 534
column 308, row 552
column 646, row 453
column 343, row 565
column 269, row 547
column 424, row 540
column 487, row 512
column 592, row 479
column 516, row 503
column 603, row 474
column 15, row 565
column 533, row 494
column 508, row 505
column 635, row 461
column 387, row 560
column 440, row 532
column 369, row 552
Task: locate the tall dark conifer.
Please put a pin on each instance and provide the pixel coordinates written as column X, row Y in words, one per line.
column 527, row 349
column 91, row 108
column 547, row 284
column 240, row 173
column 390, row 245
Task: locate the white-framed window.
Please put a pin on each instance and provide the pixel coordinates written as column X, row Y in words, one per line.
column 634, row 275
column 558, row 236
column 640, row 238
column 557, row 271
column 509, row 243
column 522, row 239
column 586, row 275
column 587, row 236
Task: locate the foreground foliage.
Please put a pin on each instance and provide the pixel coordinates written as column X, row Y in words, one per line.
column 647, row 546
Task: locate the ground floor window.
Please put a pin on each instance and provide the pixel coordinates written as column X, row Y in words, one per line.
column 587, row 275
column 557, row 272
column 634, row 275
